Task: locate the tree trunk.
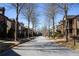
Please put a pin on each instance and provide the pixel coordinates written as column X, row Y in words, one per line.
column 53, row 27
column 49, row 28
column 32, row 30
column 16, row 22
column 28, row 26
column 66, row 23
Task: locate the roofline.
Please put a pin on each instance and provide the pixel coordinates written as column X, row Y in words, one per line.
column 72, row 15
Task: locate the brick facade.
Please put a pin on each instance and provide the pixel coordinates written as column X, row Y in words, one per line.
column 72, row 26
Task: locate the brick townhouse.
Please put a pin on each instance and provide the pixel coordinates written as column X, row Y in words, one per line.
column 7, row 26
column 3, row 26
column 72, row 26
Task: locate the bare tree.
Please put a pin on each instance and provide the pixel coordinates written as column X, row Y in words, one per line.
column 18, row 7
column 34, row 23
column 51, row 11
column 28, row 12
column 33, row 17
column 45, row 30
column 64, row 8
column 66, row 21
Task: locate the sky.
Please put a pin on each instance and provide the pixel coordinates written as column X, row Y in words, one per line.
column 10, row 13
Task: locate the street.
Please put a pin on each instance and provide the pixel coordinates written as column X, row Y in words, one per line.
column 40, row 46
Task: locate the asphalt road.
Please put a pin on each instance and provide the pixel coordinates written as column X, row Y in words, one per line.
column 40, row 46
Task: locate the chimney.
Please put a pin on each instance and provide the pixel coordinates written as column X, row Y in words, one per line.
column 2, row 10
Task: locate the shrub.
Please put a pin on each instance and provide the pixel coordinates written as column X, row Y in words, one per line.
column 57, row 34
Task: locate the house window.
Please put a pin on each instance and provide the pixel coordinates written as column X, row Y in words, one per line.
column 70, row 30
column 77, row 31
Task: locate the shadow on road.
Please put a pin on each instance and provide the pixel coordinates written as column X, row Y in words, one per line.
column 9, row 53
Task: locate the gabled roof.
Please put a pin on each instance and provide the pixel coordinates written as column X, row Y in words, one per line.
column 6, row 18
column 3, row 15
column 72, row 16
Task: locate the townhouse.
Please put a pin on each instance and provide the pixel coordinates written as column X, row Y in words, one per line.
column 72, row 26
column 7, row 27
column 3, row 22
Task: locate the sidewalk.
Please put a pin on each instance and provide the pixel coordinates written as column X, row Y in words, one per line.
column 15, row 42
column 5, row 45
